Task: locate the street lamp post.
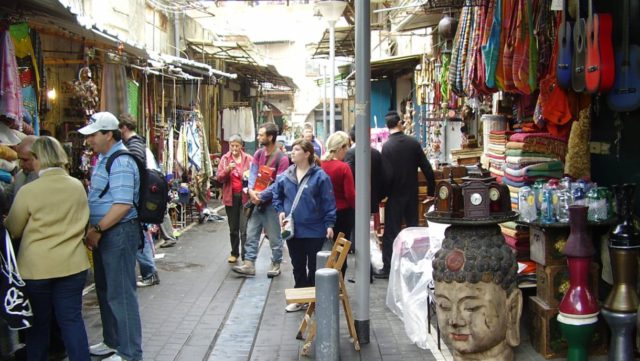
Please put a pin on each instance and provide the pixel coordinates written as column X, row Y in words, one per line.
column 331, row 11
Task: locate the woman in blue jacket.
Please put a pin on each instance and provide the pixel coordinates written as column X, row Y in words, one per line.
column 314, row 215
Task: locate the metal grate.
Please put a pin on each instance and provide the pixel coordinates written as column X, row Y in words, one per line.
column 440, row 4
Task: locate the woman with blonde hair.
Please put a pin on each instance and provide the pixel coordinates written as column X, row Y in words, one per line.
column 50, row 214
column 342, row 181
column 313, row 216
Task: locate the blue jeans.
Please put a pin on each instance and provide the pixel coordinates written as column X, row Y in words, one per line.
column 115, row 277
column 62, row 296
column 267, row 219
column 145, row 257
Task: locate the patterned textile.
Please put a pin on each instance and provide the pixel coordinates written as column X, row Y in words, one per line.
column 578, row 162
column 510, row 12
column 525, row 179
column 114, row 95
column 522, row 160
column 496, row 171
column 491, row 51
column 133, row 93
column 30, row 102
column 10, row 92
column 523, row 153
column 550, row 169
column 23, row 46
column 460, row 51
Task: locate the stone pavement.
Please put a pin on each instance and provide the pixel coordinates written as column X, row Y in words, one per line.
column 203, row 311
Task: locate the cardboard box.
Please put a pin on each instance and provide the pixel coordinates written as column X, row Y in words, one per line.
column 553, row 282
column 546, row 336
column 547, row 245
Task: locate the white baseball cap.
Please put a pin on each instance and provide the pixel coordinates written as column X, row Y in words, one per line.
column 100, row 121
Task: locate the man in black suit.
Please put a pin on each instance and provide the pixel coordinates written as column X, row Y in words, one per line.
column 402, row 155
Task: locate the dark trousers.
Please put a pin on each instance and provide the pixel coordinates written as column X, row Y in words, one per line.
column 396, row 210
column 344, row 223
column 237, row 225
column 303, row 259
column 63, row 297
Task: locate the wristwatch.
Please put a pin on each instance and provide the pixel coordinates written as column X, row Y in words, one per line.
column 97, row 228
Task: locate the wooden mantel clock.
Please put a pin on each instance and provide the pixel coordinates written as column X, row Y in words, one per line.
column 448, row 198
column 475, row 193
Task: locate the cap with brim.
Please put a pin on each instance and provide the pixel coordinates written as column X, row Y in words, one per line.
column 100, row 121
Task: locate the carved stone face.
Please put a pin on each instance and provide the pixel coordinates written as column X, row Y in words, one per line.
column 478, row 319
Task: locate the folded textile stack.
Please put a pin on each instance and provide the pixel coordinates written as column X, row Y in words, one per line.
column 516, row 237
column 8, row 157
column 496, row 152
column 529, row 157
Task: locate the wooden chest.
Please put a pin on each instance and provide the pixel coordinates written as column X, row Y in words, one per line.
column 547, row 245
column 553, row 282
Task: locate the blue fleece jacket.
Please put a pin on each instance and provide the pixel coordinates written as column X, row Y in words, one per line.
column 316, row 209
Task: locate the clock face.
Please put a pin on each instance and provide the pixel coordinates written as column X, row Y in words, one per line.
column 444, row 192
column 475, row 199
column 494, row 194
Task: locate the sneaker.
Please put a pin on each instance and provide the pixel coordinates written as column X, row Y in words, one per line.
column 101, row 350
column 114, row 357
column 293, row 307
column 232, row 259
column 247, row 269
column 274, row 271
column 149, row 281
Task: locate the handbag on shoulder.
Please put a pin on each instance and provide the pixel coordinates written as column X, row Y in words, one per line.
column 15, row 308
column 288, row 229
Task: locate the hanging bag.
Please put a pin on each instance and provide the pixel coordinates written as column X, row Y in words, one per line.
column 288, row 229
column 15, row 308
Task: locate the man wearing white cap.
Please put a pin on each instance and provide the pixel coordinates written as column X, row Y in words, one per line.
column 114, row 235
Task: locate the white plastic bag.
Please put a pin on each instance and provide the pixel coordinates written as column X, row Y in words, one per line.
column 411, row 272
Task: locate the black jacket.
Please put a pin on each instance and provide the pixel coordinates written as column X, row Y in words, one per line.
column 377, row 175
column 138, row 147
column 402, row 156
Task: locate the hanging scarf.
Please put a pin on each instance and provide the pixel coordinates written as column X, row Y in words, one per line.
column 114, row 97
column 10, row 92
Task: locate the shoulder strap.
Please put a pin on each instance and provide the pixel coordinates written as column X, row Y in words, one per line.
column 110, row 161
column 299, row 193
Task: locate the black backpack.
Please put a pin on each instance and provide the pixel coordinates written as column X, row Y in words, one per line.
column 154, row 190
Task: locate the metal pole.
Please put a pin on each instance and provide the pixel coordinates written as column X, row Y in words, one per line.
column 327, row 315
column 324, row 102
column 321, row 259
column 332, row 64
column 363, row 168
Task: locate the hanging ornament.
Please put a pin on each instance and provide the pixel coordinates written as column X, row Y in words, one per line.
column 86, row 91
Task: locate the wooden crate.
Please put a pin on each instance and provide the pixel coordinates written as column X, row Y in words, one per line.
column 547, row 245
column 553, row 281
column 545, row 334
column 546, row 337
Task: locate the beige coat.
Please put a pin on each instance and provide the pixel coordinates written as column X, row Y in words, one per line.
column 50, row 214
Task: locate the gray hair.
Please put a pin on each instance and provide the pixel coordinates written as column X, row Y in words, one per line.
column 235, row 138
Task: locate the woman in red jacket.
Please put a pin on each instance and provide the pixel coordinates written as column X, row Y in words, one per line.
column 342, row 180
column 230, row 172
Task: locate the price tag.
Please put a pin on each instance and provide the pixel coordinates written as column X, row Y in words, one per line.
column 556, row 5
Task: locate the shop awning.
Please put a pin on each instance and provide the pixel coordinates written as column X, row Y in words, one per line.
column 64, row 18
column 240, row 60
column 395, row 65
column 388, row 67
